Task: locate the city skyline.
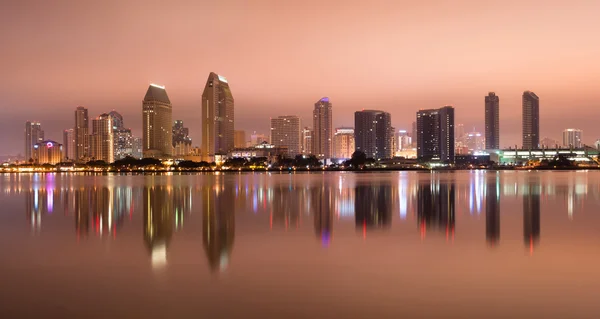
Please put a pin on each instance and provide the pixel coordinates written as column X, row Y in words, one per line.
column 534, row 53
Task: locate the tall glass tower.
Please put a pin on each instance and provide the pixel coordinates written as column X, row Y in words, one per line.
column 218, row 135
column 157, row 122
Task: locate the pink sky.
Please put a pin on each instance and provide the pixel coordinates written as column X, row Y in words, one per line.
column 282, row 56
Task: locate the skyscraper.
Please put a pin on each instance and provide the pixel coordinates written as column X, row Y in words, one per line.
column 217, row 118
column 33, row 135
column 47, row 152
column 285, row 132
column 117, row 120
column 343, row 143
column 414, row 135
column 239, row 139
column 102, row 139
column 69, row 144
column 373, row 133
column 122, row 143
column 82, row 139
column 157, row 122
column 492, row 121
column 137, row 147
column 435, row 137
column 572, row 138
column 182, row 142
column 307, row 141
column 531, row 120
column 322, row 137
column 403, row 141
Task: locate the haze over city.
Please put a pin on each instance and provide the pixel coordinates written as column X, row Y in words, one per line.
column 280, row 58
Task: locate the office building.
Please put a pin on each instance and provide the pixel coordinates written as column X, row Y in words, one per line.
column 343, row 143
column 137, row 148
column 548, row 142
column 157, row 123
column 217, row 118
column 373, row 133
column 307, row 141
column 239, row 139
column 572, row 138
column 33, row 135
column 285, row 132
column 256, row 139
column 101, row 139
column 47, row 152
column 414, row 135
column 531, row 120
column 475, row 142
column 82, row 138
column 435, row 137
column 116, row 119
column 322, row 136
column 69, row 145
column 182, row 142
column 492, row 121
column 123, row 143
column 403, row 141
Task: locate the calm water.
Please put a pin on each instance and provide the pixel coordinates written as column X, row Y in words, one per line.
column 331, row 245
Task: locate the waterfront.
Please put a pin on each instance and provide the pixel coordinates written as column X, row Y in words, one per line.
column 332, row 244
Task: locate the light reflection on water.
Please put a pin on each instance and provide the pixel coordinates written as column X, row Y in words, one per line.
column 438, row 207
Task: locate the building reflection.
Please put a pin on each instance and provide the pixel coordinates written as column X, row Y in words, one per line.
column 158, row 222
column 531, row 213
column 323, row 207
column 373, row 206
column 435, row 207
column 81, row 211
column 218, row 224
column 492, row 212
column 285, row 206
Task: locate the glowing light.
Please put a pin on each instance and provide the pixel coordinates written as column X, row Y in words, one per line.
column 222, row 78
column 157, row 86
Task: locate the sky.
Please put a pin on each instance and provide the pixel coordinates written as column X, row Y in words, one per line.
column 280, row 57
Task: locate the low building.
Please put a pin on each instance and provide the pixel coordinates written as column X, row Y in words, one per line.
column 516, row 157
column 264, row 149
column 47, row 152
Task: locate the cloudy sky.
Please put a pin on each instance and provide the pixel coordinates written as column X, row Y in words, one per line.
column 280, row 57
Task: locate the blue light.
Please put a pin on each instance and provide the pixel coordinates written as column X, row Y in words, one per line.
column 325, row 99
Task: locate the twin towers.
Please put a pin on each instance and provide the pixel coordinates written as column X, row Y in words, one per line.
column 217, row 120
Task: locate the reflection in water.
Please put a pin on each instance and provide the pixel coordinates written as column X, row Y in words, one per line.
column 322, row 201
column 531, row 213
column 218, row 224
column 492, row 211
column 373, row 206
column 158, row 223
column 436, row 207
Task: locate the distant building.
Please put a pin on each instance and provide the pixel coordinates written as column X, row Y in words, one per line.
column 492, row 121
column 285, row 132
column 475, row 142
column 157, row 123
column 47, row 152
column 403, row 141
column 414, row 135
column 102, row 139
column 123, row 143
column 116, row 119
column 239, row 138
column 82, row 137
column 69, row 145
column 307, row 141
column 137, row 147
column 182, row 142
column 373, row 133
column 572, row 138
column 516, row 157
column 322, row 137
column 436, row 134
column 343, row 143
column 256, row 139
column 548, row 142
column 531, row 120
column 33, row 135
column 597, row 144
column 270, row 151
column 217, row 117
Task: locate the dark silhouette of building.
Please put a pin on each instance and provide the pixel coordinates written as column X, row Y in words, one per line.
column 435, row 134
column 322, row 134
column 373, row 134
column 435, row 206
column 531, row 213
column 218, row 225
column 373, row 206
column 492, row 213
column 531, row 120
column 492, row 121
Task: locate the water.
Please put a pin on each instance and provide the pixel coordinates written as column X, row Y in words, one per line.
column 319, row 245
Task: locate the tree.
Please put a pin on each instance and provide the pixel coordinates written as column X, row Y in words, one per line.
column 358, row 159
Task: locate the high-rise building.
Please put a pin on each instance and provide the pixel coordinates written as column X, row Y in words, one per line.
column 403, row 141
column 285, row 132
column 217, row 118
column 82, row 138
column 572, row 138
column 47, row 152
column 116, row 119
column 239, row 139
column 343, row 143
column 475, row 142
column 436, row 134
column 597, row 144
column 414, row 135
column 123, row 143
column 137, row 148
column 373, row 133
column 182, row 142
column 33, row 135
column 531, row 120
column 307, row 141
column 102, row 139
column 322, row 137
column 492, row 121
column 157, row 122
column 69, row 144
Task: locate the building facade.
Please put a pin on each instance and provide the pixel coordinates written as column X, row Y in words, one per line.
column 137, row 148
column 285, row 132
column 123, row 143
column 33, row 135
column 322, row 136
column 182, row 142
column 69, row 145
column 157, row 122
column 403, row 141
column 82, row 137
column 572, row 138
column 531, row 120
column 307, row 141
column 47, row 152
column 373, row 133
column 217, row 118
column 435, row 137
column 343, row 143
column 102, row 139
column 492, row 121
column 239, row 139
